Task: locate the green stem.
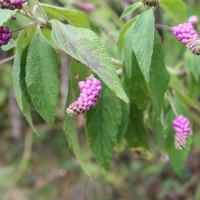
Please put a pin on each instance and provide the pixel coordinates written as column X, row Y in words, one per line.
column 171, row 104
column 24, row 27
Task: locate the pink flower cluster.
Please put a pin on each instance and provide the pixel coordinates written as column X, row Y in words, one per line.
column 12, row 4
column 5, row 35
column 181, row 126
column 185, row 32
column 90, row 93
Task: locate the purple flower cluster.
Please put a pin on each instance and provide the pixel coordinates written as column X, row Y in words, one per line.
column 12, row 4
column 181, row 126
column 185, row 32
column 90, row 93
column 5, row 35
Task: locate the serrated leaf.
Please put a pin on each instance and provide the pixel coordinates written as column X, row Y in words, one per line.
column 177, row 9
column 5, row 15
column 143, row 40
column 136, row 135
column 74, row 17
column 159, row 77
column 130, row 9
column 42, row 77
column 76, row 70
column 123, row 31
column 21, row 100
column 86, row 47
column 102, row 125
column 124, row 120
column 177, row 158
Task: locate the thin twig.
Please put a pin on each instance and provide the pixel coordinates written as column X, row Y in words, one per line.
column 161, row 26
column 24, row 27
column 6, row 59
column 43, row 13
column 171, row 104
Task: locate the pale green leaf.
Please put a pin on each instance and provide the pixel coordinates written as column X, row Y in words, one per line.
column 42, row 77
column 176, row 8
column 143, row 40
column 5, row 15
column 131, row 8
column 102, row 124
column 74, row 17
column 86, row 47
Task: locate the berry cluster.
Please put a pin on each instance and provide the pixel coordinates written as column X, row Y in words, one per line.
column 90, row 92
column 12, row 4
column 5, row 35
column 151, row 3
column 181, row 126
column 185, row 32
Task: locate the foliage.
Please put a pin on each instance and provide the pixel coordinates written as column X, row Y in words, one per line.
column 133, row 59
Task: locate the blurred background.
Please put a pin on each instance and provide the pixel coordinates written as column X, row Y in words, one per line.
column 43, row 167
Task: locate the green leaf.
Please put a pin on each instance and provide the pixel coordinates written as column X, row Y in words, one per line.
column 177, row 158
column 143, row 40
column 5, row 15
column 159, row 77
column 42, row 77
column 102, row 124
column 86, row 47
column 74, row 17
column 130, row 9
column 78, row 72
column 124, row 120
column 21, row 100
column 177, row 9
column 136, row 135
column 123, row 31
column 135, row 85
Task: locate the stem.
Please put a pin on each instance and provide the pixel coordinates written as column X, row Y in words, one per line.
column 24, row 27
column 6, row 59
column 43, row 12
column 164, row 27
column 171, row 104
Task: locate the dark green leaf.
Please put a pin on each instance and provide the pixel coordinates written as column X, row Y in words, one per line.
column 102, row 126
column 143, row 40
column 85, row 46
column 131, row 8
column 159, row 77
column 136, row 135
column 42, row 77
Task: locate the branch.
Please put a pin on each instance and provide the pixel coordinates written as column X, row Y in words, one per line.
column 164, row 27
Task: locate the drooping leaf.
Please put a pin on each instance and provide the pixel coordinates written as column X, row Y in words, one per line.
column 102, row 124
column 136, row 135
column 131, row 8
column 85, row 46
column 23, row 41
column 143, row 40
column 177, row 9
column 124, row 120
column 42, row 77
column 159, row 77
column 177, row 157
column 21, row 100
column 74, row 17
column 5, row 15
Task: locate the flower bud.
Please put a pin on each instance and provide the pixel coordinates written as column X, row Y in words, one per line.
column 151, row 3
column 193, row 19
